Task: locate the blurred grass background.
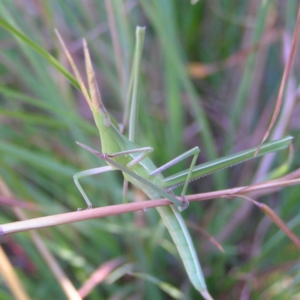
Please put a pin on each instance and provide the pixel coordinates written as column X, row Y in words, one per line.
column 210, row 76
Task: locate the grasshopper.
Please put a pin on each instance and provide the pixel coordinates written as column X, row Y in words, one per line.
column 134, row 162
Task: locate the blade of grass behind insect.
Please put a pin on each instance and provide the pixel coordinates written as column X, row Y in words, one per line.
column 48, row 86
column 140, row 34
column 166, row 287
column 38, row 103
column 125, row 30
column 34, row 159
column 159, row 14
column 173, row 129
column 47, row 91
column 115, row 38
column 245, row 83
column 38, row 49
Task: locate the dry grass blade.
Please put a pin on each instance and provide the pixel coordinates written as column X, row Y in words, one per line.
column 10, row 277
column 93, row 87
column 285, row 76
column 57, row 271
column 15, row 202
column 75, row 70
column 99, row 275
column 275, row 218
column 66, row 218
column 206, row 234
column 280, row 223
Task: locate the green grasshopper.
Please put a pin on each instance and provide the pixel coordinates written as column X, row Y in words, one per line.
column 122, row 154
